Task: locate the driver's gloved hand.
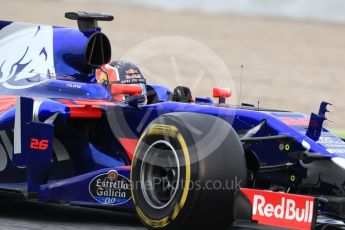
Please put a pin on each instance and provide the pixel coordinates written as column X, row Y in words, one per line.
column 181, row 94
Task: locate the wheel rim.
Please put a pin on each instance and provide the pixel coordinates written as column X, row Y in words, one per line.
column 160, row 174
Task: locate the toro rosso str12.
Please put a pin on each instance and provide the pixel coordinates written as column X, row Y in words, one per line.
column 78, row 129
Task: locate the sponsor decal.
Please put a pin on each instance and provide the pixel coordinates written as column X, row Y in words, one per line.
column 295, row 121
column 333, row 144
column 110, row 188
column 331, row 141
column 281, row 209
column 133, row 73
column 336, row 151
column 75, row 86
column 133, row 81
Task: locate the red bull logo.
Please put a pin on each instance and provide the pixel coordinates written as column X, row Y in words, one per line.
column 281, row 209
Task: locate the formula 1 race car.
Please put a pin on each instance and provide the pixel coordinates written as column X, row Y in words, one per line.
column 78, row 129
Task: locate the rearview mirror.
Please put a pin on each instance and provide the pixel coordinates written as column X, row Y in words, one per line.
column 222, row 94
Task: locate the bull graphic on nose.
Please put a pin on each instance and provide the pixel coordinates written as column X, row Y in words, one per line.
column 26, row 55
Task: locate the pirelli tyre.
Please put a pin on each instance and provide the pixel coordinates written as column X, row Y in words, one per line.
column 185, row 171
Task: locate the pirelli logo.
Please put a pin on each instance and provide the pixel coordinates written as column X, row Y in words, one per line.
column 165, row 130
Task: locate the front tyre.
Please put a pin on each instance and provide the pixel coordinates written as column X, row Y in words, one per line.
column 185, row 171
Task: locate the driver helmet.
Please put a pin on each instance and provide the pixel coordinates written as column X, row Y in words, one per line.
column 121, row 72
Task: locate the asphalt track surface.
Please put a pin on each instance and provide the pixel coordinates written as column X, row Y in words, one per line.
column 18, row 215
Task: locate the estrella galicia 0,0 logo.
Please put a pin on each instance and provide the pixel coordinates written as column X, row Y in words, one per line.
column 110, row 188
